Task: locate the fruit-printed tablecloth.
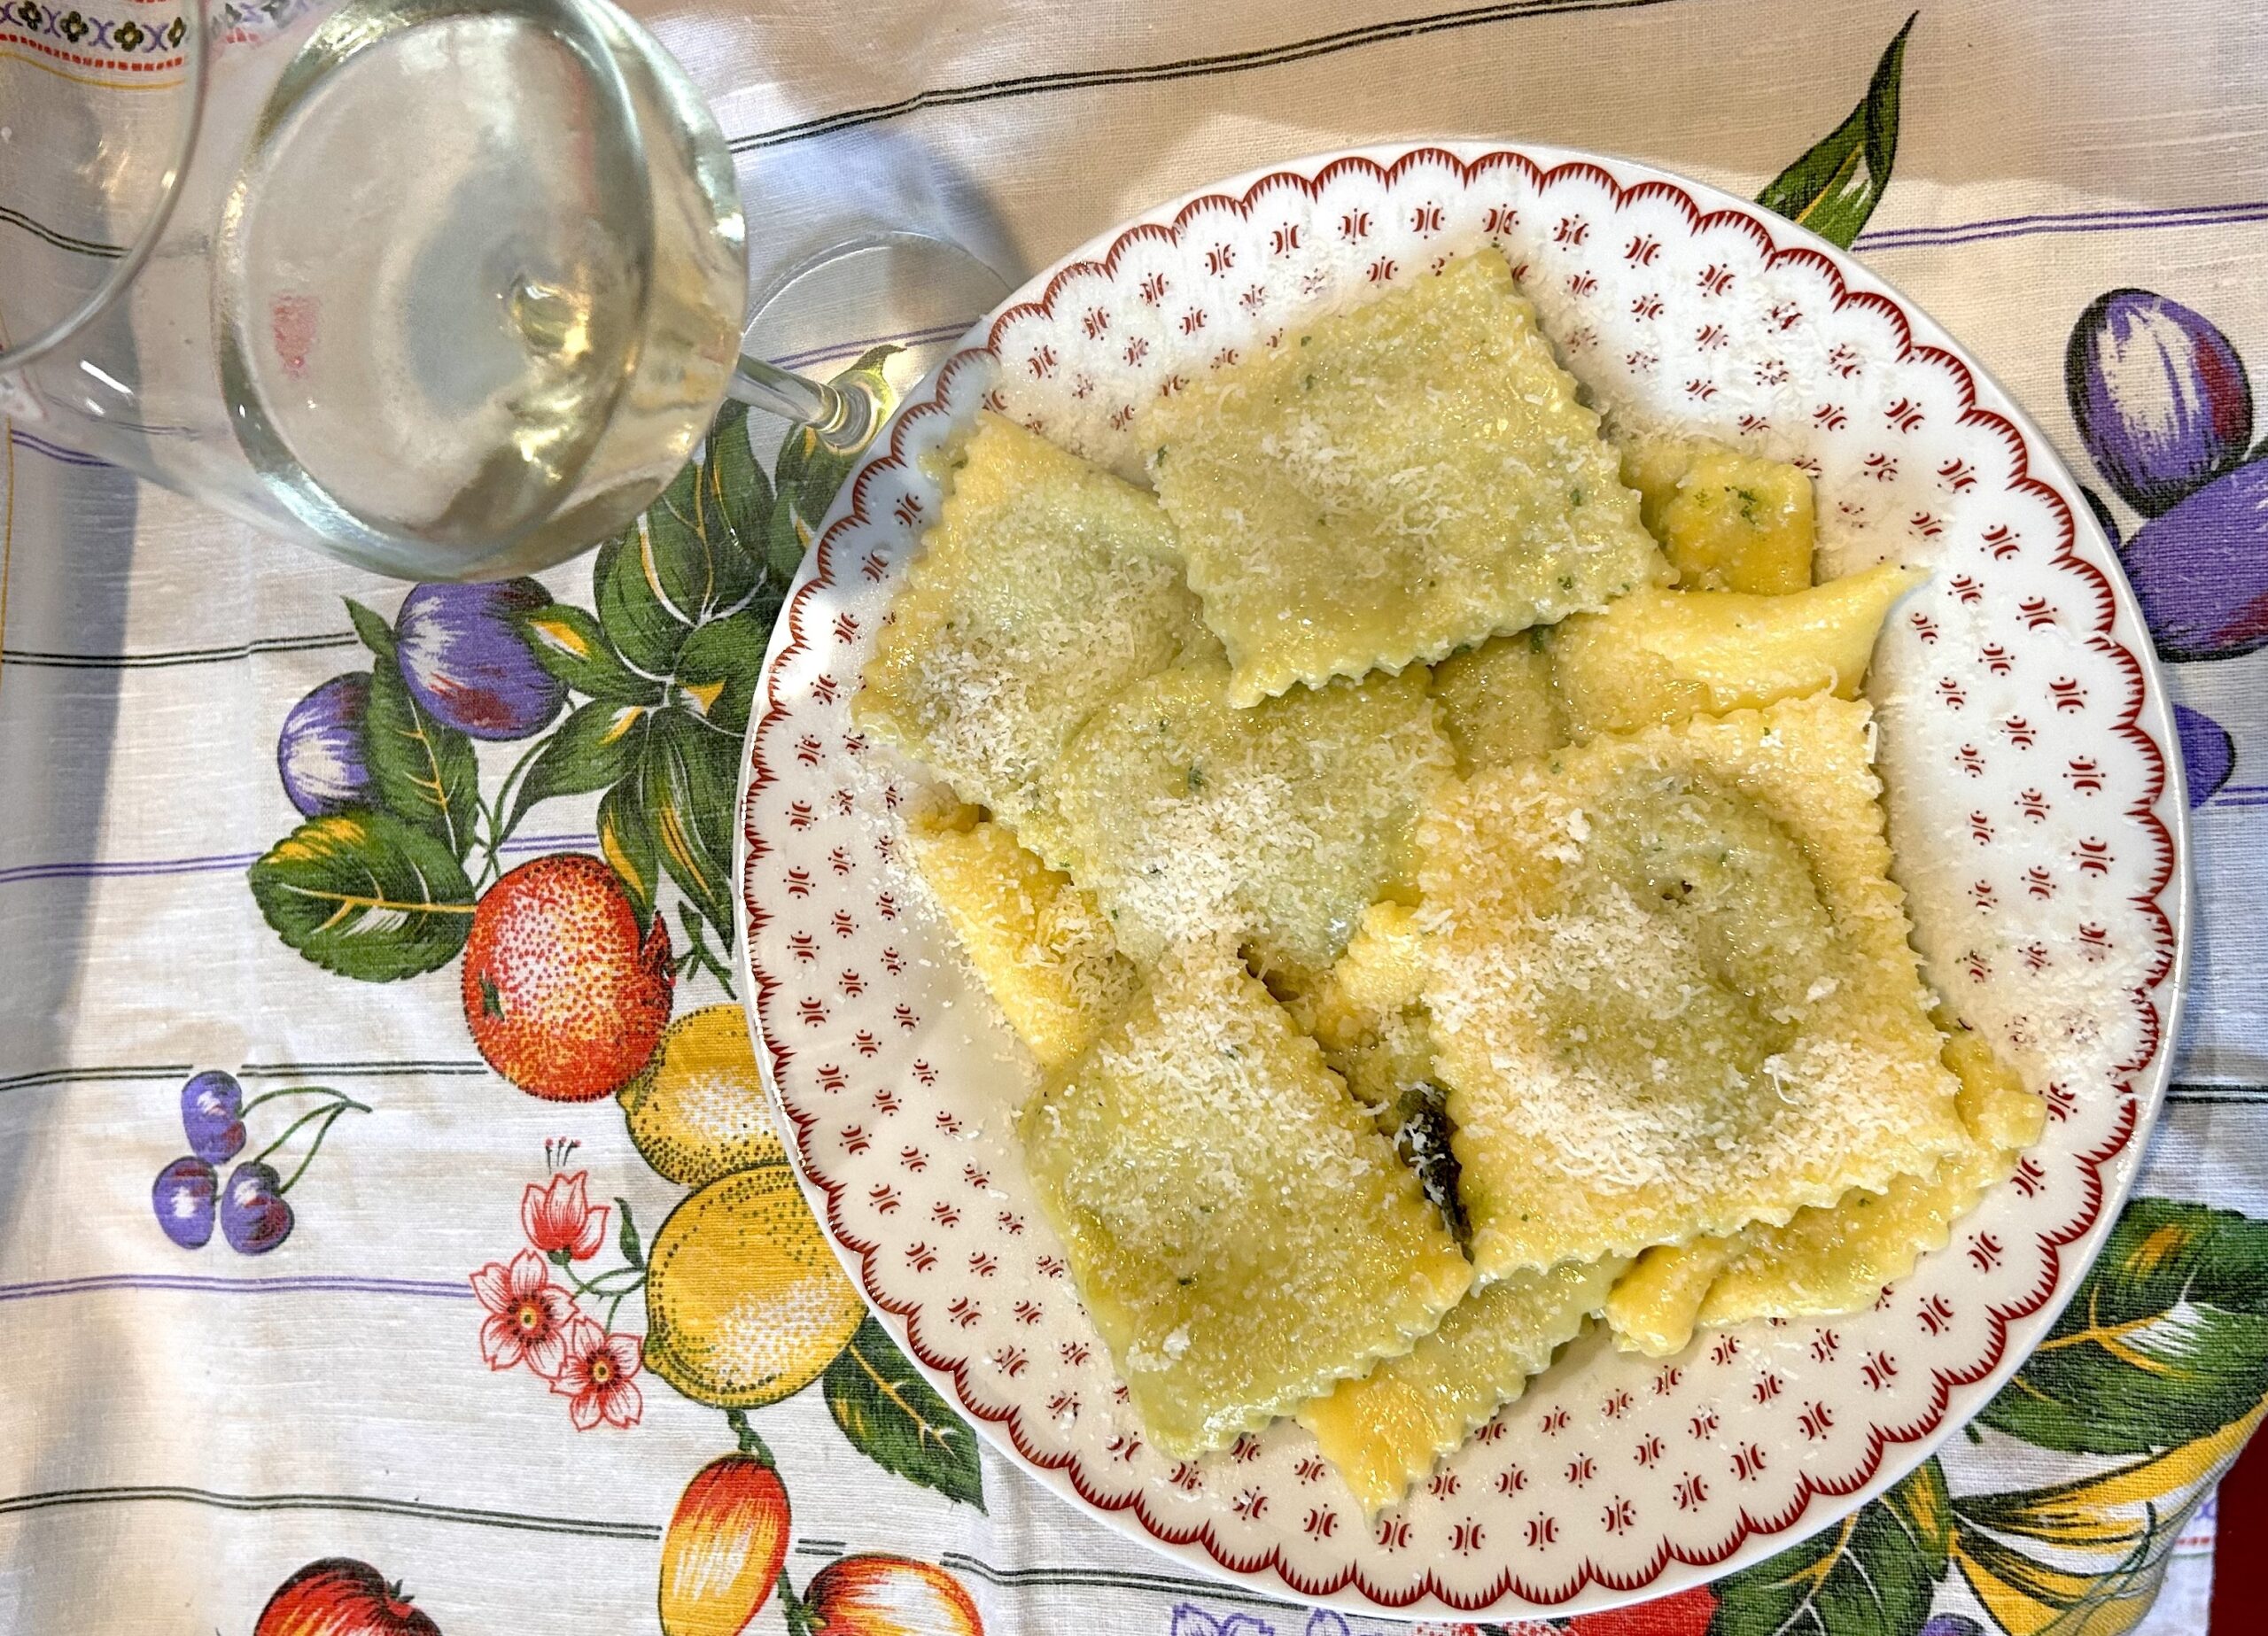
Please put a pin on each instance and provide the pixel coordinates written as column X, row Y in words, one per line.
column 386, row 1242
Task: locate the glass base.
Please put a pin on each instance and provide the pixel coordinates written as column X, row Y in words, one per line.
column 906, row 290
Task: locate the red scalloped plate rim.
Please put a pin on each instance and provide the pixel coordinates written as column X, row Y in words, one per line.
column 1754, row 1537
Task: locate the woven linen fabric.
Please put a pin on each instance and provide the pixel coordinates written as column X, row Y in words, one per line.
column 411, row 1360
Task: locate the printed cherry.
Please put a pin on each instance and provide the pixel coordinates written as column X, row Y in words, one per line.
column 726, row 1543
column 212, row 1116
column 339, row 1596
column 876, row 1595
column 183, row 1200
column 255, row 1216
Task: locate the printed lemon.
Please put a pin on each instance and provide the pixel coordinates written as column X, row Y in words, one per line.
column 697, row 1112
column 744, row 1302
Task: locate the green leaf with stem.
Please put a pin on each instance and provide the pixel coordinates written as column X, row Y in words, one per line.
column 2166, row 1341
column 569, row 643
column 425, row 773
column 1876, row 1571
column 376, row 634
column 626, row 841
column 626, row 1234
column 1836, row 185
column 688, row 774
column 644, row 628
column 893, row 1417
column 366, row 895
column 596, row 747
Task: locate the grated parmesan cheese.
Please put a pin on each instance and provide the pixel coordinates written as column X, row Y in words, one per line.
column 1239, row 1230
column 1406, row 478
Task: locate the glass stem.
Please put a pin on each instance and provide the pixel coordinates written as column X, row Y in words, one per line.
column 842, row 419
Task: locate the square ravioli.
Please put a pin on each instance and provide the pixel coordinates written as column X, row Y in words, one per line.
column 1240, row 1231
column 1407, row 477
column 1671, row 989
column 1043, row 949
column 1284, row 822
column 1383, row 1432
column 1044, row 585
column 1834, row 1258
column 1837, row 1259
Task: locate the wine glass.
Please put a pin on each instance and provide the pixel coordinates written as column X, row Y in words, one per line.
column 449, row 288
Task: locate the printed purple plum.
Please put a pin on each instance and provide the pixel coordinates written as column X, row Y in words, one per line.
column 255, row 1216
column 2201, row 571
column 323, row 752
column 462, row 653
column 183, row 1196
column 211, row 1116
column 2208, row 753
column 1952, row 1624
column 2159, row 397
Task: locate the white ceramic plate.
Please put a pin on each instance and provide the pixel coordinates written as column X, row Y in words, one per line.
column 2035, row 810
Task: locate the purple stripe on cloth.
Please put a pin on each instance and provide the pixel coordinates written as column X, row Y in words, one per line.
column 217, row 863
column 2063, row 221
column 303, row 1283
column 23, row 439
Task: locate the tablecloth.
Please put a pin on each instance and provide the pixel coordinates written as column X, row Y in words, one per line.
column 402, row 1379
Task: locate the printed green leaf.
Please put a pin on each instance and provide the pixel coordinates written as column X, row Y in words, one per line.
column 2166, row 1341
column 717, row 669
column 737, row 489
column 696, row 532
column 376, row 634
column 895, row 1419
column 626, row 1237
column 569, row 644
column 1874, row 1573
column 807, row 475
column 366, row 895
column 688, row 776
column 637, row 620
column 627, row 842
column 1835, row 186
column 426, row 772
column 596, row 747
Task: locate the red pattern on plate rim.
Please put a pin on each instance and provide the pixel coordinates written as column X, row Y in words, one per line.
column 1752, row 1535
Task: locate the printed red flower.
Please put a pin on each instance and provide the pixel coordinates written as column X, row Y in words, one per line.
column 528, row 1314
column 595, row 1377
column 560, row 1217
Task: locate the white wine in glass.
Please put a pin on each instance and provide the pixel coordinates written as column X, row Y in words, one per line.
column 451, row 288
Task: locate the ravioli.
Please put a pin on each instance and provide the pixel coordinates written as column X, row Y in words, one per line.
column 1285, row 822
column 1838, row 1260
column 1727, row 521
column 1241, row 1234
column 1658, row 657
column 1041, row 946
column 1045, row 584
column 1405, row 478
column 1498, row 703
column 1385, row 1431
column 1670, row 988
